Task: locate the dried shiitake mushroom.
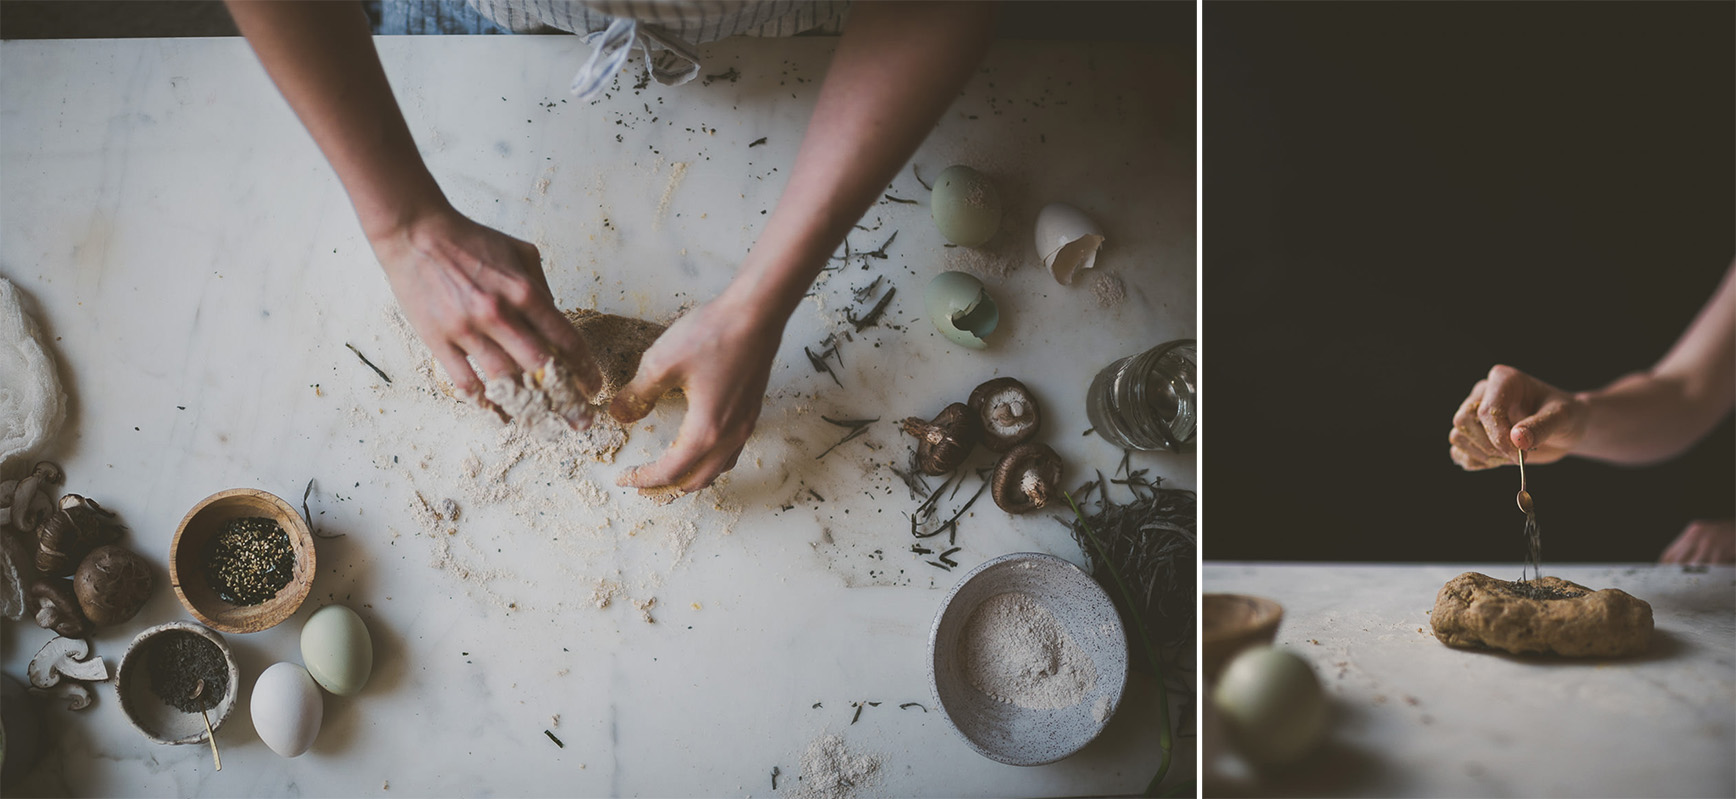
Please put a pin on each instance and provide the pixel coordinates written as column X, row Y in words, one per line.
column 80, row 526
column 112, row 584
column 1026, row 478
column 25, row 503
column 55, row 608
column 944, row 442
column 1007, row 411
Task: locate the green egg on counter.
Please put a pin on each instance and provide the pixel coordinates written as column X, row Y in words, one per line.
column 336, row 650
column 966, row 206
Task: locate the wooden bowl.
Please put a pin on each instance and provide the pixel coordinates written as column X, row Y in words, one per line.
column 1231, row 623
column 158, row 720
column 187, row 561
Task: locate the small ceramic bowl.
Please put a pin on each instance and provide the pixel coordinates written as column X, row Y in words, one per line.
column 158, row 720
column 1004, row 731
column 1230, row 623
column 188, row 552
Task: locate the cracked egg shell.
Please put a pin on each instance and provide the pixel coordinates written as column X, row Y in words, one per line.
column 961, row 309
column 966, row 206
column 1067, row 241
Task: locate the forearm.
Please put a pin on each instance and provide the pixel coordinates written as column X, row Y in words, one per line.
column 322, row 58
column 897, row 68
column 1653, row 415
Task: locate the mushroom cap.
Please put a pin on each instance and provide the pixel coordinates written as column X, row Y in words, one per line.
column 945, row 441
column 1026, row 478
column 112, row 583
column 1007, row 411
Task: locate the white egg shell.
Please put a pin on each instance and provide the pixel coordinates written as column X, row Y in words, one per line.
column 287, row 709
column 966, row 206
column 336, row 650
column 1273, row 705
column 1067, row 241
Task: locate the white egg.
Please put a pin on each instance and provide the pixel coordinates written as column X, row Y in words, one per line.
column 1067, row 241
column 1273, row 704
column 336, row 649
column 287, row 709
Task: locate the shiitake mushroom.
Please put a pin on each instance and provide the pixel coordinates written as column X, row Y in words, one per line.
column 1026, row 478
column 55, row 608
column 945, row 441
column 1007, row 411
column 64, row 538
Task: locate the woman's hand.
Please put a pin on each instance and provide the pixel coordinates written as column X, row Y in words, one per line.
column 1704, row 542
column 469, row 290
column 720, row 355
column 1510, row 411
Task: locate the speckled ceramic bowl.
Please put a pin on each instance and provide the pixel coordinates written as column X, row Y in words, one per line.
column 158, row 720
column 1004, row 731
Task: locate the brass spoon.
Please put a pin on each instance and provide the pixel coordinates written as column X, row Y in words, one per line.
column 1524, row 496
column 199, row 688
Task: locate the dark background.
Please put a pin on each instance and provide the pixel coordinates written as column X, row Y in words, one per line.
column 1170, row 22
column 1399, row 196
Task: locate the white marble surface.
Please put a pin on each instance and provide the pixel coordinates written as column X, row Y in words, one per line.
column 200, row 271
column 1413, row 717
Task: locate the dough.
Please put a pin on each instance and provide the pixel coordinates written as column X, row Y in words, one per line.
column 32, row 406
column 548, row 402
column 1476, row 610
column 617, row 342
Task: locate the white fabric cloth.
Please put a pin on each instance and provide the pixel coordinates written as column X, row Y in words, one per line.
column 32, row 406
column 665, row 32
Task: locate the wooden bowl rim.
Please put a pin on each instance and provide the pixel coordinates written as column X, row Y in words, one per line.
column 1266, row 613
column 275, row 610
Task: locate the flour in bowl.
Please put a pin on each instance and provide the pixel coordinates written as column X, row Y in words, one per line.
column 1016, row 651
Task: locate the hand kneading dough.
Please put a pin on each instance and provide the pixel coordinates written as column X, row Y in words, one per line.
column 32, row 406
column 1476, row 610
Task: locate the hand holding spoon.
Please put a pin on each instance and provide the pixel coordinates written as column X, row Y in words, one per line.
column 1524, row 496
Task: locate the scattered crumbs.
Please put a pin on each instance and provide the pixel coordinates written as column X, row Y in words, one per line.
column 555, row 721
column 1314, row 641
column 1108, row 290
column 696, row 606
column 644, row 606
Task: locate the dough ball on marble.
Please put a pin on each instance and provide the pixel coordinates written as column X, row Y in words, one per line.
column 1547, row 615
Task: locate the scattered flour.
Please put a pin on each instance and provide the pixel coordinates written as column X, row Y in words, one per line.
column 1108, row 290
column 1016, row 651
column 829, row 771
column 539, row 506
column 677, row 171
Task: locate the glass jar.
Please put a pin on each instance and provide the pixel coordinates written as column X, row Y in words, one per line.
column 1146, row 401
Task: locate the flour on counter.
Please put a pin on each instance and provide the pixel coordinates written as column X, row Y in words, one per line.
column 1016, row 651
column 829, row 771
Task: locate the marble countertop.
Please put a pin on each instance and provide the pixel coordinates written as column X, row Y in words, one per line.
column 199, row 273
column 1413, row 717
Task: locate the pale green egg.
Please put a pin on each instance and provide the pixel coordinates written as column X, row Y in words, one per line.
column 336, row 650
column 961, row 308
column 966, row 206
column 1273, row 704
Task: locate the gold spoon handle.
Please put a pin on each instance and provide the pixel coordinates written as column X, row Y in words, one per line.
column 212, row 738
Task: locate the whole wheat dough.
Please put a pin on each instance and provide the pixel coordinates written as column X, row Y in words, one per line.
column 1475, row 610
column 617, row 342
column 548, row 402
column 32, row 406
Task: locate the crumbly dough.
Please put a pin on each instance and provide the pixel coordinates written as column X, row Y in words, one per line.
column 1475, row 610
column 617, row 342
